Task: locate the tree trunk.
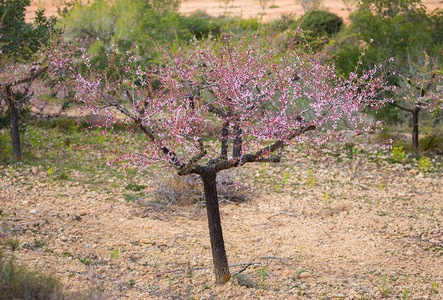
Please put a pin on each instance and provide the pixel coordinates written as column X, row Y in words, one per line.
column 237, row 144
column 415, row 112
column 224, row 140
column 221, row 267
column 15, row 134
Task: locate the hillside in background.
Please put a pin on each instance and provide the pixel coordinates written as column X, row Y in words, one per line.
column 245, row 8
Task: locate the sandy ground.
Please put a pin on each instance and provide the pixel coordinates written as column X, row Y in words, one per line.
column 353, row 229
column 244, row 8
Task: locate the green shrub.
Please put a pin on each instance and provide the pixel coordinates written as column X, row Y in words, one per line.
column 17, row 282
column 432, row 143
column 321, row 22
column 398, row 154
column 425, row 164
column 199, row 24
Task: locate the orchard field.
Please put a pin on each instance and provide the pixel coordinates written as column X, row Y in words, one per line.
column 359, row 226
column 169, row 149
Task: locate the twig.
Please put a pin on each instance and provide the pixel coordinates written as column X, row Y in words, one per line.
column 257, row 264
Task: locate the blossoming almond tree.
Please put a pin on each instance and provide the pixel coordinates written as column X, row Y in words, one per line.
column 252, row 98
column 421, row 89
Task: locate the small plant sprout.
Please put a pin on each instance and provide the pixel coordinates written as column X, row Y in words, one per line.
column 114, row 253
column 51, row 172
column 300, row 256
column 262, row 173
column 326, row 198
column 262, row 273
column 398, row 154
column 11, row 171
column 384, row 289
column 131, row 283
column 424, row 164
column 434, row 287
column 286, row 178
column 169, row 281
column 405, row 293
column 311, row 180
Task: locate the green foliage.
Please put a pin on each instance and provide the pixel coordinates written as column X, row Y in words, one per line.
column 19, row 38
column 405, row 293
column 237, row 25
column 133, row 22
column 114, row 254
column 384, row 289
column 311, row 179
column 398, row 154
column 5, row 146
column 320, row 22
column 424, row 164
column 17, row 282
column 198, row 24
column 135, row 187
column 51, row 172
column 246, row 281
column 433, row 143
column 399, row 28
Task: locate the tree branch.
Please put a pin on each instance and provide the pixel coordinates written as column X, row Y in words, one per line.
column 401, row 107
column 222, row 164
column 27, row 79
column 186, row 168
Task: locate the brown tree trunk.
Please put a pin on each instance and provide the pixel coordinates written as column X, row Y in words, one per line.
column 224, row 140
column 221, row 267
column 237, row 143
column 415, row 112
column 14, row 118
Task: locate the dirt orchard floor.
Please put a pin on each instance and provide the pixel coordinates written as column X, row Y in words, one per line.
column 356, row 228
column 245, row 8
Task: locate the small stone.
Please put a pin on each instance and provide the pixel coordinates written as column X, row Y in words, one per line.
column 33, row 211
column 305, row 275
column 82, row 213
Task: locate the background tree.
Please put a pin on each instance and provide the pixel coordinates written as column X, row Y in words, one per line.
column 308, row 4
column 421, row 89
column 251, row 99
column 320, row 22
column 133, row 22
column 401, row 29
column 18, row 63
column 349, row 3
column 226, row 3
column 263, row 5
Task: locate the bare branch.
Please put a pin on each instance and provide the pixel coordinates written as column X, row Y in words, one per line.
column 401, row 107
column 27, row 79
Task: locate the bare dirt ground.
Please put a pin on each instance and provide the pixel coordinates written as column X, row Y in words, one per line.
column 244, row 8
column 360, row 227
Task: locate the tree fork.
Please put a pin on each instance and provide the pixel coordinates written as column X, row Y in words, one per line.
column 221, row 267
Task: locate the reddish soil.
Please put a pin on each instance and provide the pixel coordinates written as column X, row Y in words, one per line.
column 244, row 8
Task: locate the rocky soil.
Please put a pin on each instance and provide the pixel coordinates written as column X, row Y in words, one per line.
column 356, row 226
